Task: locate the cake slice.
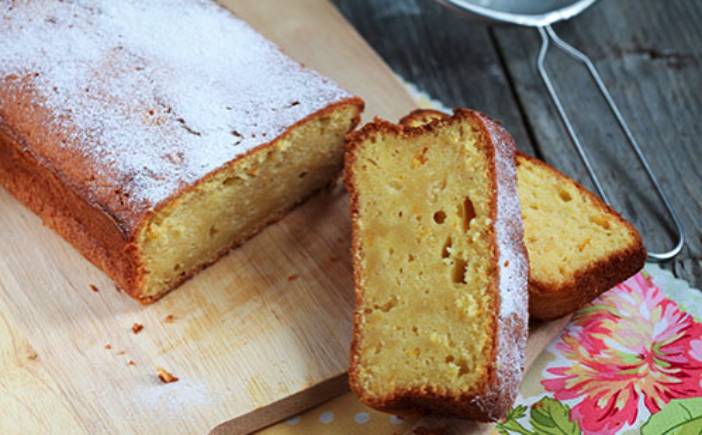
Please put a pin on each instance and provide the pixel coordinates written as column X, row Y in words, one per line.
column 440, row 268
column 578, row 246
column 154, row 136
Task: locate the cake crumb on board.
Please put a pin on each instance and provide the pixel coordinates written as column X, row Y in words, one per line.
column 165, row 376
column 94, row 288
column 169, row 318
column 293, row 277
column 31, row 353
column 137, row 328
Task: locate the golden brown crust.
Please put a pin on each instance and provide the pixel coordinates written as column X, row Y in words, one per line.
column 92, row 229
column 495, row 396
column 548, row 301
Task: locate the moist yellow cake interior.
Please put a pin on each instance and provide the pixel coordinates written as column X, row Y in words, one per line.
column 426, row 261
column 228, row 207
column 564, row 230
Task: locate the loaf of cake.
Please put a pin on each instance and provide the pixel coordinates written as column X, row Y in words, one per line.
column 156, row 135
column 440, row 267
column 578, row 246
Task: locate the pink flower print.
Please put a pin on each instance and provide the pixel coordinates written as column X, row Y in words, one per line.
column 630, row 345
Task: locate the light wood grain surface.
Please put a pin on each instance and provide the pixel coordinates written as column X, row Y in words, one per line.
column 262, row 334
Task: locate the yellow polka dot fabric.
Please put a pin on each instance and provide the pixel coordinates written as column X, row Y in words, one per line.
column 340, row 416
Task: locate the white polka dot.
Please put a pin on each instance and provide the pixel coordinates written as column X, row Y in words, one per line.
column 293, row 421
column 396, row 420
column 361, row 417
column 326, row 417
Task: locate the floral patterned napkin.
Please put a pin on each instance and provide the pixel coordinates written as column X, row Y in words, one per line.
column 629, row 362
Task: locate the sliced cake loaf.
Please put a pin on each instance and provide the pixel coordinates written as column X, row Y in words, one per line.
column 578, row 246
column 439, row 265
column 155, row 136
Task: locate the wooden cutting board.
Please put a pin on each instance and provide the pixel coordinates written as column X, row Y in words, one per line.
column 262, row 334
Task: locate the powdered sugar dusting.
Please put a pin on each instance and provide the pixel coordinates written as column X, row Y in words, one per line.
column 514, row 273
column 149, row 96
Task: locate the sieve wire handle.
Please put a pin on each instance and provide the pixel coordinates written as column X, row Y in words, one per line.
column 547, row 35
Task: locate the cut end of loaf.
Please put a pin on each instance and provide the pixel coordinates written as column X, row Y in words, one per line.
column 228, row 207
column 425, row 266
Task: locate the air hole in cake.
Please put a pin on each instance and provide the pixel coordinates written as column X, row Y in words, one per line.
column 449, row 359
column 410, row 258
column 439, row 217
column 462, row 367
column 446, row 250
column 387, row 306
column 400, row 213
column 303, row 174
column 565, row 195
column 458, row 274
column 467, row 213
column 213, row 231
column 229, row 181
column 601, row 221
column 177, row 267
column 415, row 330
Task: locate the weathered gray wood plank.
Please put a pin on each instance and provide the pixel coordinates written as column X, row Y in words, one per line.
column 452, row 61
